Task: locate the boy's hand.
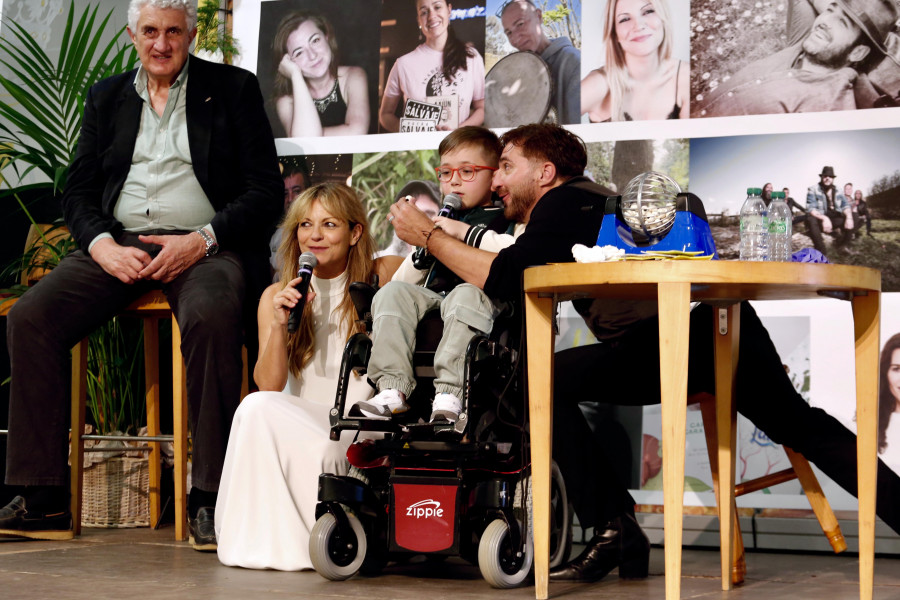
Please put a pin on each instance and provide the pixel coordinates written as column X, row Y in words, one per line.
column 457, row 229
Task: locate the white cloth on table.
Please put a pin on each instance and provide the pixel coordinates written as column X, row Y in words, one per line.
column 278, row 446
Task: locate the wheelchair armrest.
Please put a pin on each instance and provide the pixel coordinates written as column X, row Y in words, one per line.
column 361, row 294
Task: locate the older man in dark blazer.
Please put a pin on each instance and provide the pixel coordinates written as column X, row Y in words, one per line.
column 175, row 185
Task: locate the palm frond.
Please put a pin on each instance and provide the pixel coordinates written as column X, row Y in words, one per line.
column 42, row 122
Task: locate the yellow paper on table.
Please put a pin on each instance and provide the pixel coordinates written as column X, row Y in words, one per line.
column 673, row 255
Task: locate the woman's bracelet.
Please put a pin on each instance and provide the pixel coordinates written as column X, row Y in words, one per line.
column 429, row 234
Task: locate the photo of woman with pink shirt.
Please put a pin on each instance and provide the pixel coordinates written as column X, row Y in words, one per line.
column 439, row 85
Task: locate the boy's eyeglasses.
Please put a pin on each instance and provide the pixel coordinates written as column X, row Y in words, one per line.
column 466, row 173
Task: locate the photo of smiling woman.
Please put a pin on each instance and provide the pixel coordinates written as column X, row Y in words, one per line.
column 889, row 403
column 439, row 84
column 315, row 96
column 641, row 78
column 317, row 64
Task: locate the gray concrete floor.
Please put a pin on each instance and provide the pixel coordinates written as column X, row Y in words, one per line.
column 144, row 565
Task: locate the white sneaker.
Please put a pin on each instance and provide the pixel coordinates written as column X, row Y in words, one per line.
column 445, row 407
column 385, row 404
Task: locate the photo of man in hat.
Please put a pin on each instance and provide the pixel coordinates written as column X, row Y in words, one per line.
column 826, row 69
column 828, row 211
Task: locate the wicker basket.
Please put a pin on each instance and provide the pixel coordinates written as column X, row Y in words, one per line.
column 116, row 493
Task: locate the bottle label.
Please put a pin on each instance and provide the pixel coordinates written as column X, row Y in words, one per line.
column 777, row 227
column 754, row 224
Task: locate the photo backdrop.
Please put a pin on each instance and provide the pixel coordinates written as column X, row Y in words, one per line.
column 717, row 158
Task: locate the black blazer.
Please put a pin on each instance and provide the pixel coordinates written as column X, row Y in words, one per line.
column 232, row 149
column 564, row 216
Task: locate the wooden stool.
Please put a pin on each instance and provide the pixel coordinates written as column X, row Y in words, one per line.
column 800, row 469
column 150, row 307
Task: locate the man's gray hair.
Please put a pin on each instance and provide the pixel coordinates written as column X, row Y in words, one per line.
column 188, row 6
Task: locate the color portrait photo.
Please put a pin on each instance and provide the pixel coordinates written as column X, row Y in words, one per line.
column 889, row 383
column 856, row 171
column 432, row 65
column 318, row 66
column 635, row 61
column 533, row 61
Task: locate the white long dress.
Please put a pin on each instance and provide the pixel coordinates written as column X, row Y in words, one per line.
column 278, row 446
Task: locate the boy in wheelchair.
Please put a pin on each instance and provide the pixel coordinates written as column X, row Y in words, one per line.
column 387, row 507
column 469, row 156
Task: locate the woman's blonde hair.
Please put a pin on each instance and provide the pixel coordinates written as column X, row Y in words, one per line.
column 616, row 71
column 341, row 202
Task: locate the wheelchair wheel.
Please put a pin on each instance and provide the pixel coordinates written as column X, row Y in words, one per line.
column 375, row 561
column 337, row 554
column 561, row 516
column 498, row 561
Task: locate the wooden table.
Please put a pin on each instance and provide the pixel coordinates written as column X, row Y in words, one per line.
column 675, row 284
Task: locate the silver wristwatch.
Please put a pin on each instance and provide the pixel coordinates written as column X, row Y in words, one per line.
column 211, row 245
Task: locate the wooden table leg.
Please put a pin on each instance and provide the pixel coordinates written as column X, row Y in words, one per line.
column 674, row 332
column 727, row 337
column 866, row 323
column 540, row 344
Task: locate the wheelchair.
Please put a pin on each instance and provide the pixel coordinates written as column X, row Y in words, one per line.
column 437, row 489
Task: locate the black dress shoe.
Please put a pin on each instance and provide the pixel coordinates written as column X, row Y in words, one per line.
column 621, row 544
column 17, row 521
column 203, row 530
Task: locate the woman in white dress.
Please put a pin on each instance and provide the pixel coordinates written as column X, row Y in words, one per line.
column 279, row 440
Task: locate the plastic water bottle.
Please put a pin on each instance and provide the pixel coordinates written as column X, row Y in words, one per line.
column 780, row 219
column 754, row 227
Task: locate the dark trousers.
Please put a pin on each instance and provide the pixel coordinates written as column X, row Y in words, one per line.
column 77, row 297
column 841, row 234
column 860, row 221
column 629, row 374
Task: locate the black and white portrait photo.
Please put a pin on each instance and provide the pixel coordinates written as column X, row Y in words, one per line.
column 790, row 56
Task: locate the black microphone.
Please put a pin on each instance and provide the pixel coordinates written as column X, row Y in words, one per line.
column 452, row 203
column 307, row 262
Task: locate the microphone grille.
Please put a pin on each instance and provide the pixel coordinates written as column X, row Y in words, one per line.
column 453, row 201
column 308, row 260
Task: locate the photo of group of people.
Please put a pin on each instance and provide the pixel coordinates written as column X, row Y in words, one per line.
column 843, row 188
column 431, row 65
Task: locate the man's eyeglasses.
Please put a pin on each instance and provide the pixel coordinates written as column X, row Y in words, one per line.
column 466, row 173
column 503, row 6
